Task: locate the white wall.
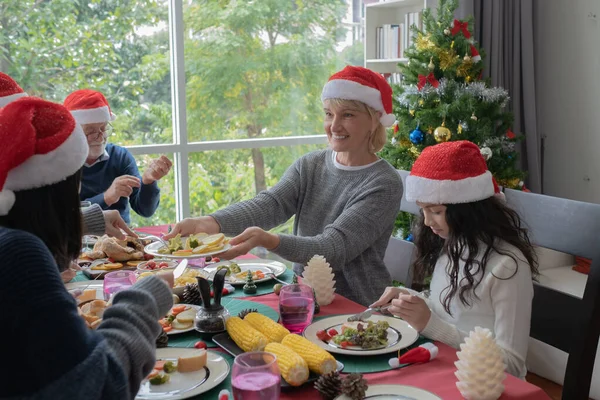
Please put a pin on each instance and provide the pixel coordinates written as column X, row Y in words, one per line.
column 567, row 58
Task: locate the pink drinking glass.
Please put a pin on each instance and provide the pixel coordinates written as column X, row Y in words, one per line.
column 116, row 281
column 296, row 307
column 255, row 376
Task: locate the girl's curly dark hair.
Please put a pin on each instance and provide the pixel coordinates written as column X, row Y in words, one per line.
column 473, row 227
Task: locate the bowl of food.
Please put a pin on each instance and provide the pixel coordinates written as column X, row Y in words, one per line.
column 157, row 265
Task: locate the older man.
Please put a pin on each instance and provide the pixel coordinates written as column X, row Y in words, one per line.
column 110, row 175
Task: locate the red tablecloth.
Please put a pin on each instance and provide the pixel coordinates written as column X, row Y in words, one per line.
column 437, row 376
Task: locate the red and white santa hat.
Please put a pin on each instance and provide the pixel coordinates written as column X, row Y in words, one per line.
column 40, row 144
column 89, row 107
column 450, row 173
column 9, row 90
column 475, row 54
column 364, row 85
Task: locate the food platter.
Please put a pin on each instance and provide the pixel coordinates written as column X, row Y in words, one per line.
column 265, row 266
column 157, row 247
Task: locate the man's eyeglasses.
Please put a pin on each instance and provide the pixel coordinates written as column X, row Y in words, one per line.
column 105, row 132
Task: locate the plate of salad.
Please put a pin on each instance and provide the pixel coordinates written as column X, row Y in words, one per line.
column 378, row 335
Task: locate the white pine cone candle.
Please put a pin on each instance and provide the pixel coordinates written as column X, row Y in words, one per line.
column 318, row 275
column 480, row 367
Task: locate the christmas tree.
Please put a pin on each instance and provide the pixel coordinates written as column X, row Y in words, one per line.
column 443, row 97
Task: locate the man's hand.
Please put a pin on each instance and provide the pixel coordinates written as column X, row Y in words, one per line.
column 115, row 225
column 190, row 226
column 249, row 239
column 156, row 170
column 121, row 187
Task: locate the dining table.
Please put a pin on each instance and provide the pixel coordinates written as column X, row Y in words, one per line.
column 436, row 376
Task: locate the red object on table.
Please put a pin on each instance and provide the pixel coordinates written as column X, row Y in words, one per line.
column 437, row 376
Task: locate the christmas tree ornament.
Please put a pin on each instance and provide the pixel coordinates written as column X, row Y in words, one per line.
column 329, row 385
column 423, row 42
column 410, row 238
column 417, row 136
column 452, row 45
column 486, row 152
column 411, row 112
column 510, row 134
column 474, row 117
column 422, row 354
column 459, row 129
column 354, row 386
column 414, row 151
column 430, row 130
column 421, row 102
column 467, row 57
column 191, row 294
column 480, row 367
column 463, row 125
column 423, row 80
column 447, row 32
column 319, row 275
column 475, row 57
column 404, row 142
column 431, row 65
column 447, row 59
column 521, row 184
column 396, row 128
column 442, row 134
column 394, row 141
column 460, row 26
column 464, row 68
column 249, row 287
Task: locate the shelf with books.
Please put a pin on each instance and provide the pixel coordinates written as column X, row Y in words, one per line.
column 387, row 32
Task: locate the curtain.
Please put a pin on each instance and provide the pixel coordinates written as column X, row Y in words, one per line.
column 504, row 28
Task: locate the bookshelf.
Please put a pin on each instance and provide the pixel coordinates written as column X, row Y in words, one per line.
column 386, row 32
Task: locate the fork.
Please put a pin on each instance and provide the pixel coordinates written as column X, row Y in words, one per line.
column 363, row 316
column 272, row 275
column 157, row 238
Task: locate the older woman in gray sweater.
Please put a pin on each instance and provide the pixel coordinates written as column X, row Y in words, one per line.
column 344, row 199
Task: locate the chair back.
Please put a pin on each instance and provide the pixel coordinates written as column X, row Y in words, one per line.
column 558, row 319
column 399, row 258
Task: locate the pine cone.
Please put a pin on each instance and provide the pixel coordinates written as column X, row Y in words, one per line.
column 247, row 311
column 191, row 294
column 162, row 340
column 354, row 386
column 329, row 385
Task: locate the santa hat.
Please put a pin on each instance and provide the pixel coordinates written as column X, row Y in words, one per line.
column 9, row 90
column 40, row 144
column 475, row 57
column 450, row 173
column 364, row 85
column 424, row 353
column 89, row 107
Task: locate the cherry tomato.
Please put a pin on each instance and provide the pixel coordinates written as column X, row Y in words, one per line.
column 322, row 335
column 163, row 265
column 345, row 344
column 332, row 332
column 151, row 265
column 200, row 345
column 225, row 291
column 216, row 259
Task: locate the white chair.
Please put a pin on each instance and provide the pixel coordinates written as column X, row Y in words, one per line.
column 398, row 259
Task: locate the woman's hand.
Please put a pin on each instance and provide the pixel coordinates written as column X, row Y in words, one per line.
column 68, row 274
column 389, row 294
column 252, row 237
column 189, row 226
column 413, row 309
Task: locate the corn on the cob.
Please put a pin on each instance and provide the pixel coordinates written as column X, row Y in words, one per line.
column 265, row 325
column 293, row 368
column 318, row 360
column 244, row 335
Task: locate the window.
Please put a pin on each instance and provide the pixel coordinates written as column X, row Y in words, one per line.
column 230, row 90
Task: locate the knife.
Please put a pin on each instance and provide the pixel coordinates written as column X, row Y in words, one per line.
column 180, row 268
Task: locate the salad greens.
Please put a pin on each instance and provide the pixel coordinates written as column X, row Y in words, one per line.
column 368, row 335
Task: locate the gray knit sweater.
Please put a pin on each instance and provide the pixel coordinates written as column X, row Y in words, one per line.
column 347, row 216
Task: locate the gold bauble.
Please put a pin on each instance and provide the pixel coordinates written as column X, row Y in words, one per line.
column 468, row 79
column 431, row 65
column 463, row 68
column 411, row 112
column 447, row 59
column 421, row 102
column 423, row 42
column 474, row 117
column 442, row 134
column 467, row 57
column 405, row 142
column 447, row 32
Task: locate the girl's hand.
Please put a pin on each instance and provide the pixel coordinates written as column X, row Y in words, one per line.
column 252, row 237
column 68, row 274
column 412, row 309
column 390, row 293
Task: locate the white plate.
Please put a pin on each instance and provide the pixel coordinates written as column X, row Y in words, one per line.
column 255, row 264
column 153, row 248
column 188, row 384
column 400, row 335
column 395, row 392
column 191, row 328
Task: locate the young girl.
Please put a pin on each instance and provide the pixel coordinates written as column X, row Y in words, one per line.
column 481, row 258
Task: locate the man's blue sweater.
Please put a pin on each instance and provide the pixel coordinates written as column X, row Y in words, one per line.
column 98, row 178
